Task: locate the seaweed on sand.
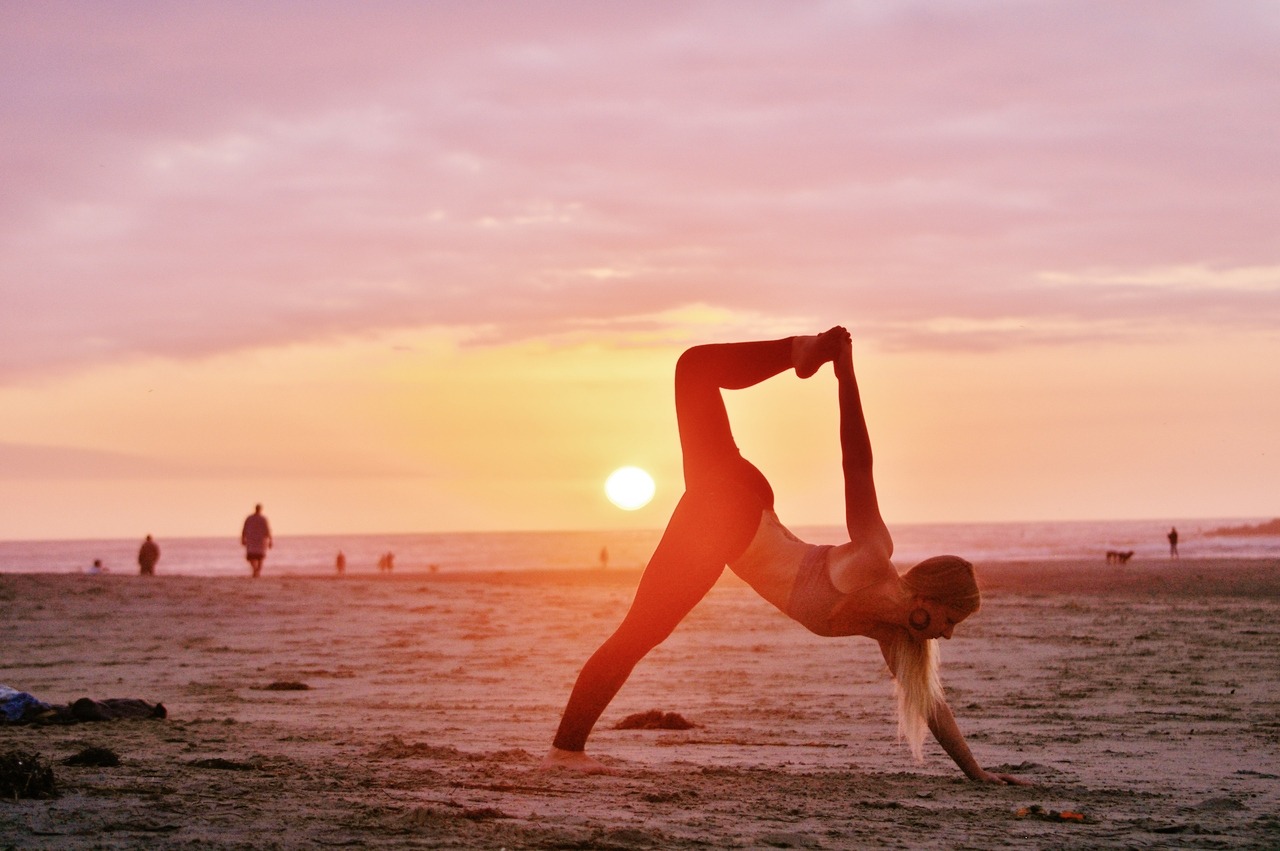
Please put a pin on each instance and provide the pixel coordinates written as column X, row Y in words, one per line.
column 655, row 719
column 25, row 775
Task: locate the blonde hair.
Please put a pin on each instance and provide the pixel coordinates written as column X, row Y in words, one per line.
column 948, row 581
column 918, row 688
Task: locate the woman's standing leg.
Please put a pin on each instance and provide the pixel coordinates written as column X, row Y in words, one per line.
column 684, row 566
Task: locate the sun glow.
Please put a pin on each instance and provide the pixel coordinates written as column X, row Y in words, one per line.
column 629, row 488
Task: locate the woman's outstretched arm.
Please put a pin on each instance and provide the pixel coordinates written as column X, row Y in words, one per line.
column 942, row 723
column 861, row 508
column 945, row 729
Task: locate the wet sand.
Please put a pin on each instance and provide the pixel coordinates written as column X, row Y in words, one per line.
column 1144, row 697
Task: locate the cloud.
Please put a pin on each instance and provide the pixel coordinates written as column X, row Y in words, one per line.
column 186, row 180
column 1249, row 279
column 26, row 461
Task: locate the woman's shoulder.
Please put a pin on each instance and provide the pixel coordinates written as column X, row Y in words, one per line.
column 857, row 566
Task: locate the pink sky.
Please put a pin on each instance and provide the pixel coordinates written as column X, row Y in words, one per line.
column 411, row 267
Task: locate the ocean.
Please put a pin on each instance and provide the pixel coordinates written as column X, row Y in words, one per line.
column 487, row 551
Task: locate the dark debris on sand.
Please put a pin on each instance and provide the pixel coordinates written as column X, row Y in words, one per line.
column 286, row 685
column 25, row 774
column 220, row 764
column 655, row 719
column 94, row 756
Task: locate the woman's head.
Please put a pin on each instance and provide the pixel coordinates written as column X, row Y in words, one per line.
column 947, row 581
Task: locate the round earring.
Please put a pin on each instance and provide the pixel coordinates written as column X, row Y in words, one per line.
column 919, row 620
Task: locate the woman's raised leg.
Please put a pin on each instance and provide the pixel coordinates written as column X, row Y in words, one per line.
column 710, row 455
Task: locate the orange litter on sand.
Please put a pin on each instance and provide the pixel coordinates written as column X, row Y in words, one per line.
column 1037, row 811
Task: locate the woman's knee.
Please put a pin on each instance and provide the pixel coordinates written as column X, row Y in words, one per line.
column 635, row 637
column 686, row 368
column 693, row 365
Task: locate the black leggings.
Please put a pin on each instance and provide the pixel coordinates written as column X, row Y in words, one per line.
column 712, row 524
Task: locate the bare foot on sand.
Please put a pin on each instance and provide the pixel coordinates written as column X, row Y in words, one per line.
column 558, row 760
column 811, row 352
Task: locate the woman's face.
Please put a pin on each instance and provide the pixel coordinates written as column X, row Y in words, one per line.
column 943, row 619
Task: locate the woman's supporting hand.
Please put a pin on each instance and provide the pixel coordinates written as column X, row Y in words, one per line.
column 992, row 777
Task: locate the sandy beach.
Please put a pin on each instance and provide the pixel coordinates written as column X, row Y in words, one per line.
column 1143, row 697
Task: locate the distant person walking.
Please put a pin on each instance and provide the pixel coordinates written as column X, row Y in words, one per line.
column 1173, row 542
column 255, row 535
column 148, row 555
column 604, row 558
column 340, row 562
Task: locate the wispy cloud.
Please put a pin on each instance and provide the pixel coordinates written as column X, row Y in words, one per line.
column 186, row 180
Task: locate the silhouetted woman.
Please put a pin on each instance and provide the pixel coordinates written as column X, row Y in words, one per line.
column 726, row 516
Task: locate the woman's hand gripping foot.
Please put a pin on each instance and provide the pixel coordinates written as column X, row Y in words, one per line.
column 811, row 352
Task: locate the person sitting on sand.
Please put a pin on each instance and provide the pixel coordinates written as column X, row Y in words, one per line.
column 726, row 516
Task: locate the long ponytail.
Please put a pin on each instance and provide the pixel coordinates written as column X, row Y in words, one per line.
column 918, row 688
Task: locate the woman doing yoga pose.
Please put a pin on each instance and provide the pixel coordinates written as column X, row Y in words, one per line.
column 726, row 516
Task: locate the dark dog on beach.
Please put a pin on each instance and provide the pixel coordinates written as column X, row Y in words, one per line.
column 1118, row 557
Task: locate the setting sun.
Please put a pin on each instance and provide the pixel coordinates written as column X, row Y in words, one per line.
column 629, row 488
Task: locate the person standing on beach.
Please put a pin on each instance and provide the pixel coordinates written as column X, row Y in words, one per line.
column 255, row 535
column 148, row 555
column 726, row 516
column 1173, row 541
